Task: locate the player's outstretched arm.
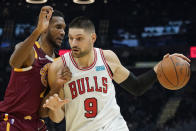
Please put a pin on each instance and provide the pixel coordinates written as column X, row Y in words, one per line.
column 135, row 85
column 23, row 55
column 126, row 79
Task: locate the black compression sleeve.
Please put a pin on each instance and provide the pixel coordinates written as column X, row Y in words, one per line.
column 138, row 85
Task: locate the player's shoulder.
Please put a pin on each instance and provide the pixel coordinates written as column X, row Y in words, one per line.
column 107, row 52
column 57, row 63
column 57, row 59
column 110, row 55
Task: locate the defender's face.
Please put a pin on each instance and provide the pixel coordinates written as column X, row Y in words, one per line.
column 81, row 41
column 56, row 30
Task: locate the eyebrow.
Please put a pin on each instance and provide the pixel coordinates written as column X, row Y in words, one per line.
column 60, row 24
column 75, row 35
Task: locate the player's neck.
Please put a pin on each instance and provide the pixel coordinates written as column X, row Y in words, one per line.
column 47, row 48
column 86, row 60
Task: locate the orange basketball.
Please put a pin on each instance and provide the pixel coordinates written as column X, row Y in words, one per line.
column 173, row 72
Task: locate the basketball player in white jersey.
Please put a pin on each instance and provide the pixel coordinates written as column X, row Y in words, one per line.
column 88, row 100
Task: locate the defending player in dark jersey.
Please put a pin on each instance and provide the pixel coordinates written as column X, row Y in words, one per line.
column 20, row 108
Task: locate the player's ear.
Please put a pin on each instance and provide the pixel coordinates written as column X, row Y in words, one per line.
column 45, row 31
column 94, row 37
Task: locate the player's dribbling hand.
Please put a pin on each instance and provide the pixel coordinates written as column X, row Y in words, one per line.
column 64, row 75
column 175, row 54
column 44, row 18
column 178, row 55
column 55, row 103
column 181, row 56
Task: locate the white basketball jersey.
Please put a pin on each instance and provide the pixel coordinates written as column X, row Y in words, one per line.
column 92, row 95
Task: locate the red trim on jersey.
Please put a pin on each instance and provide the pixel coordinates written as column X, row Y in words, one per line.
column 84, row 68
column 64, row 61
column 106, row 65
column 62, row 52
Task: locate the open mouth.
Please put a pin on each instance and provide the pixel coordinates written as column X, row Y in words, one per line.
column 75, row 50
column 60, row 40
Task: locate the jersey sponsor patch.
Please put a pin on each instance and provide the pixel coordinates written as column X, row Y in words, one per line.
column 100, row 68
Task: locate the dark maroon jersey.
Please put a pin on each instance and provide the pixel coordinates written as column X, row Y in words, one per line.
column 26, row 87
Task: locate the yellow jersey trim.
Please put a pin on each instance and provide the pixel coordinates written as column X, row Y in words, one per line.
column 8, row 126
column 42, row 94
column 27, row 117
column 37, row 44
column 5, row 117
column 36, row 56
column 23, row 69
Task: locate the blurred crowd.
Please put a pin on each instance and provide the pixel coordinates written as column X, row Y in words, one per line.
column 158, row 109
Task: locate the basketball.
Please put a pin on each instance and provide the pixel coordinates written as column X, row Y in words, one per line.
column 173, row 72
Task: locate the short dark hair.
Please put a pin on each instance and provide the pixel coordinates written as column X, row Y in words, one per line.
column 57, row 13
column 83, row 23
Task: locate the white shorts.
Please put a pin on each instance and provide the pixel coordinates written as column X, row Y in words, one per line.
column 118, row 124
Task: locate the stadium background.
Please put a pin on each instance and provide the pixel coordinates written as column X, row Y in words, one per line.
column 140, row 32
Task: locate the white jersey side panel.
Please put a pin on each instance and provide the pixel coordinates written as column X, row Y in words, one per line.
column 92, row 95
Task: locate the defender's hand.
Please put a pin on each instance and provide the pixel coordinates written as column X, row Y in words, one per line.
column 44, row 18
column 55, row 103
column 63, row 75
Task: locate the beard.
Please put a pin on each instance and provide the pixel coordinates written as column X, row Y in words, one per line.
column 79, row 53
column 52, row 41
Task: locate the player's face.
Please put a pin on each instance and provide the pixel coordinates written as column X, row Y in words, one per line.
column 81, row 41
column 56, row 31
